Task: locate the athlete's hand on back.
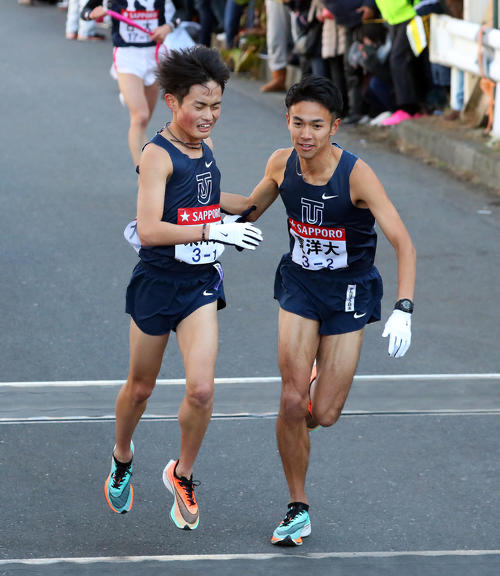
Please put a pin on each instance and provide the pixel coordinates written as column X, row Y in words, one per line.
column 398, row 329
column 244, row 235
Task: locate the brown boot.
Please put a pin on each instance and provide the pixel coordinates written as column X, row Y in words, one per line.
column 278, row 83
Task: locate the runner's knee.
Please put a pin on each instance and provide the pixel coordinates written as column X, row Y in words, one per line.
column 139, row 118
column 327, row 416
column 200, row 395
column 293, row 404
column 140, row 388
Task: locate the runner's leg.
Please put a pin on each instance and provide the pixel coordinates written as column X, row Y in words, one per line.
column 146, row 353
column 152, row 93
column 298, row 341
column 197, row 336
column 337, row 361
column 134, row 94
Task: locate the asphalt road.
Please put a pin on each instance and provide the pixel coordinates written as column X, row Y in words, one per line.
column 68, row 189
column 406, row 482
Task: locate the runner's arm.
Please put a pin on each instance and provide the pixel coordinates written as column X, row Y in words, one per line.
column 368, row 192
column 156, row 169
column 264, row 194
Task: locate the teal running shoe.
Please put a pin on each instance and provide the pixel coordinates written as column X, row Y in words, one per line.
column 117, row 489
column 295, row 526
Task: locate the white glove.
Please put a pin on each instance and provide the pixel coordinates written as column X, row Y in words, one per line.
column 131, row 235
column 230, row 218
column 398, row 328
column 244, row 235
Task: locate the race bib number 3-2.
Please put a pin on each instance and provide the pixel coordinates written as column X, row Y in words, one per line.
column 148, row 19
column 199, row 252
column 317, row 247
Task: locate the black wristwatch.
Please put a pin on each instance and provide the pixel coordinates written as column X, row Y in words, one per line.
column 405, row 305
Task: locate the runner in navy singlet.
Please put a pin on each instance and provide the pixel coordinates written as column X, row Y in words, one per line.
column 177, row 285
column 134, row 58
column 327, row 285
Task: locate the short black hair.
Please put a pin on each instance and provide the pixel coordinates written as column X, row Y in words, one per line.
column 317, row 89
column 185, row 68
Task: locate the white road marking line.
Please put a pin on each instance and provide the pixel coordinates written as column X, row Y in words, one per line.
column 245, row 416
column 197, row 557
column 256, row 380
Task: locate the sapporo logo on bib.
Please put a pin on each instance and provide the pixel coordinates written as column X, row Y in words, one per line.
column 199, row 252
column 146, row 18
column 317, row 247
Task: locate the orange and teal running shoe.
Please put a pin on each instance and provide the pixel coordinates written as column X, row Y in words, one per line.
column 184, row 512
column 309, row 416
column 117, row 488
column 295, row 526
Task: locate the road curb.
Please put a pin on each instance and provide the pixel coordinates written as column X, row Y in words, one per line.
column 465, row 157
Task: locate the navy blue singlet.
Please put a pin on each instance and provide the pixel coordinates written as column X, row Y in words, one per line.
column 327, row 231
column 147, row 13
column 192, row 197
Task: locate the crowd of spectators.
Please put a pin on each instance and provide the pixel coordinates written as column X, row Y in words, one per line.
column 362, row 45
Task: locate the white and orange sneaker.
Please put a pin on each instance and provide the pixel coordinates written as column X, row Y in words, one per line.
column 184, row 513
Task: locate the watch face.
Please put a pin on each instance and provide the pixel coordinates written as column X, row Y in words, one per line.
column 406, row 304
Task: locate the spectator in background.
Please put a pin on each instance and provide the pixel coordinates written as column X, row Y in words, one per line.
column 372, row 55
column 76, row 28
column 333, row 43
column 350, row 14
column 406, row 75
column 437, row 75
column 307, row 45
column 279, row 39
column 211, row 16
column 232, row 15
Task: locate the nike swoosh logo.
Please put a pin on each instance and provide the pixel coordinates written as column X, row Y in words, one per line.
column 208, row 164
column 224, row 234
column 185, row 513
column 328, row 197
column 291, row 529
column 356, row 315
column 120, row 501
column 205, row 293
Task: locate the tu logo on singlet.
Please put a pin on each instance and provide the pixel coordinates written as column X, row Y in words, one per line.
column 312, row 211
column 204, row 187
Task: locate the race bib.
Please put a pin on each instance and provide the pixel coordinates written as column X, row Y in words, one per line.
column 199, row 252
column 317, row 247
column 146, row 18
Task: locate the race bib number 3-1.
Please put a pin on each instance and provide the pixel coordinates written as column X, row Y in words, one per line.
column 199, row 252
column 317, row 247
column 146, row 18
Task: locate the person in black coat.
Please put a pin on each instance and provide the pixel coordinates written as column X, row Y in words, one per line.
column 351, row 13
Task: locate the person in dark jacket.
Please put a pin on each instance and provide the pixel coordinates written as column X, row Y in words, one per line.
column 351, row 13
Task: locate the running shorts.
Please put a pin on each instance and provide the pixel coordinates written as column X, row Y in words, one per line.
column 158, row 301
column 137, row 61
column 341, row 301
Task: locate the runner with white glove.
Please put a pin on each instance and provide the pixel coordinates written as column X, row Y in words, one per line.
column 327, row 284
